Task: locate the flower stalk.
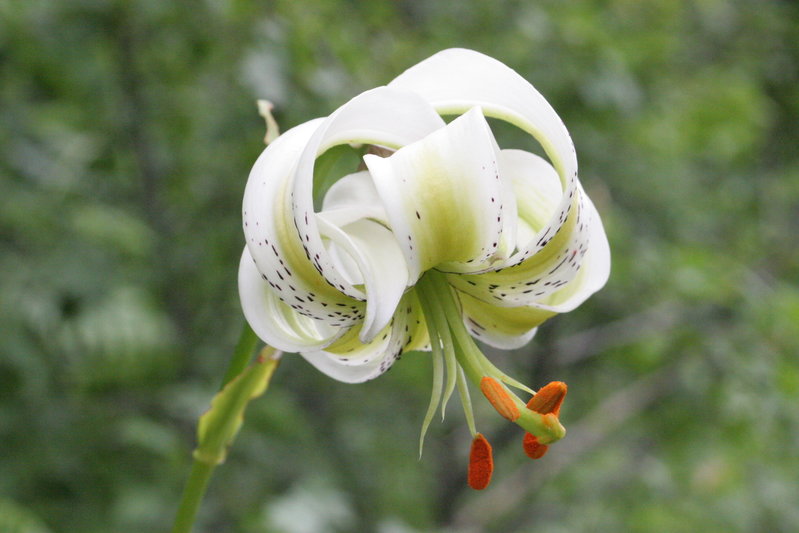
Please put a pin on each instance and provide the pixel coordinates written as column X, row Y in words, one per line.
column 219, row 426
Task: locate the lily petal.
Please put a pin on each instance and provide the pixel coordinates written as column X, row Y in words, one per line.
column 558, row 261
column 443, row 196
column 272, row 237
column 272, row 319
column 502, row 327
column 279, row 221
column 381, row 266
column 456, row 80
column 594, row 272
column 352, row 198
column 351, row 361
column 513, row 327
column 536, row 187
column 382, row 116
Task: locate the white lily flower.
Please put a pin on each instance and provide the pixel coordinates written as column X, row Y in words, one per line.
column 445, row 237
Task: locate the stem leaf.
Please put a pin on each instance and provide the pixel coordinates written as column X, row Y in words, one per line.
column 220, row 424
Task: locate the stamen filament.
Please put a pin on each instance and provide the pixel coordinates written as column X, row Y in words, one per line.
column 466, row 402
column 443, row 332
column 438, row 294
column 452, row 367
column 432, row 321
column 440, row 338
column 436, row 285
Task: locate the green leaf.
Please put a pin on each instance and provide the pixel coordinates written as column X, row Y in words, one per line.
column 220, row 424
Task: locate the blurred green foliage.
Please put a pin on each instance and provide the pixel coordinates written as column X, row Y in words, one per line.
column 127, row 129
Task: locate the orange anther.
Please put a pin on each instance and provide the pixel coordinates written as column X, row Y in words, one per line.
column 532, row 448
column 547, row 402
column 481, row 463
column 499, row 398
column 548, row 399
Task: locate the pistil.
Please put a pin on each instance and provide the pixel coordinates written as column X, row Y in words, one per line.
column 454, row 348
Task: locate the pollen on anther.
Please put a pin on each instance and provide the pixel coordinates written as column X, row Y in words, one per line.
column 546, row 401
column 499, row 398
column 533, row 448
column 481, row 463
column 549, row 398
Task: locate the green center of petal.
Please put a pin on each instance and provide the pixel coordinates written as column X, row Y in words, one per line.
column 454, row 348
column 443, row 196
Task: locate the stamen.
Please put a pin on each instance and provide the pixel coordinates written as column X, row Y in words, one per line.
column 434, row 321
column 451, row 343
column 481, row 463
column 532, row 448
column 499, row 398
column 466, row 401
column 452, row 367
column 549, row 398
column 547, row 401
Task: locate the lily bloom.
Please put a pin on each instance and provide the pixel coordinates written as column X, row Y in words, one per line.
column 441, row 238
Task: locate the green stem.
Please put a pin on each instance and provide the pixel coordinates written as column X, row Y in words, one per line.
column 201, row 470
column 241, row 354
column 192, row 496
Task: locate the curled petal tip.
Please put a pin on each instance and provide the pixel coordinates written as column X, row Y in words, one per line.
column 265, row 108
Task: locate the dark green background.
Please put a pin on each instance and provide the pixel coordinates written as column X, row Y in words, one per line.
column 127, row 130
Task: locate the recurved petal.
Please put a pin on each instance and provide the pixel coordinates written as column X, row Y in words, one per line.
column 378, row 259
column 382, row 116
column 273, row 240
column 443, row 196
column 594, row 272
column 550, row 261
column 455, row 80
column 274, row 321
column 536, row 187
column 279, row 220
